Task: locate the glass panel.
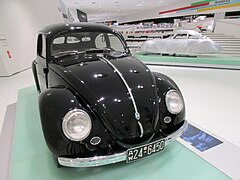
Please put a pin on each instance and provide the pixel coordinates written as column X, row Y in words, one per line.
column 82, row 41
column 181, row 36
column 100, row 41
column 59, row 40
column 116, row 43
column 192, row 37
column 71, row 40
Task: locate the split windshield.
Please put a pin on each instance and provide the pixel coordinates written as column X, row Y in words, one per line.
column 85, row 41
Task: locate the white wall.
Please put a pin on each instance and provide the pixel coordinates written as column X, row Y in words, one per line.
column 206, row 24
column 228, row 27
column 154, row 13
column 148, row 14
column 74, row 15
column 20, row 20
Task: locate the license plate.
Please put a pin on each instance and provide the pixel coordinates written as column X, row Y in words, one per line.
column 139, row 152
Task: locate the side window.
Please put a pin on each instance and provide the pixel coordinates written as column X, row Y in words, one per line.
column 100, row 41
column 41, row 46
column 192, row 37
column 116, row 43
column 181, row 36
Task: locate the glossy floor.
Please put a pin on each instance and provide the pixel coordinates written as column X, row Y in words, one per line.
column 212, row 97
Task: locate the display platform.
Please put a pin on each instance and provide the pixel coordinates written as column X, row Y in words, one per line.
column 31, row 158
column 215, row 62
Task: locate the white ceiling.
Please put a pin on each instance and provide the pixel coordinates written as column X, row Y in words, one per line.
column 106, row 9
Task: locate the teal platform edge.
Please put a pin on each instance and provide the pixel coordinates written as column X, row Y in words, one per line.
column 32, row 160
column 223, row 61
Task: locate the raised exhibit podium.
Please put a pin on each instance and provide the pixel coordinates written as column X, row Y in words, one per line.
column 31, row 158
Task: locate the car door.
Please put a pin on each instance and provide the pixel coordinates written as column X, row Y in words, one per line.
column 192, row 42
column 41, row 64
column 177, row 44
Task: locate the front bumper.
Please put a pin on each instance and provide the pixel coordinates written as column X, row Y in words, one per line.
column 118, row 157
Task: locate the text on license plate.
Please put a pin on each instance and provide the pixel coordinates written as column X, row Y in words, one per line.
column 145, row 150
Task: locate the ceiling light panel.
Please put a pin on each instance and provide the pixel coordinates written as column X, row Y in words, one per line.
column 115, row 8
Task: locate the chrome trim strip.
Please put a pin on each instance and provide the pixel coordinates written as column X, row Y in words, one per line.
column 92, row 161
column 109, row 159
column 137, row 115
column 141, row 129
column 173, row 136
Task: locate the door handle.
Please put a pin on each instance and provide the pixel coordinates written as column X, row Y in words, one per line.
column 45, row 70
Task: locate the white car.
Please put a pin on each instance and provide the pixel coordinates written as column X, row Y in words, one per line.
column 182, row 42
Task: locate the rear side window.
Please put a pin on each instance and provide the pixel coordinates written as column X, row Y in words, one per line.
column 181, row 36
column 41, row 46
column 192, row 37
column 59, row 40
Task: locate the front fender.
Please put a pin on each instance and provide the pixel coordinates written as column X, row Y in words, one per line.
column 164, row 84
column 53, row 105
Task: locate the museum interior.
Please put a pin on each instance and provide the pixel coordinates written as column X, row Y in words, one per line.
column 88, row 87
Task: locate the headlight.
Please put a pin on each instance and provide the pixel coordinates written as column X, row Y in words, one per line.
column 174, row 102
column 76, row 125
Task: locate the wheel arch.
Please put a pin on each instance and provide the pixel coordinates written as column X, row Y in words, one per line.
column 165, row 84
column 54, row 103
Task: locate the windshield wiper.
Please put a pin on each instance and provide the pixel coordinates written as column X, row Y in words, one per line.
column 65, row 54
column 74, row 52
column 108, row 51
column 105, row 50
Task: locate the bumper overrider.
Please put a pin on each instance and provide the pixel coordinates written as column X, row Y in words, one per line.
column 114, row 158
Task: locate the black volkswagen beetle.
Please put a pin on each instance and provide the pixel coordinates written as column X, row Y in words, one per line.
column 98, row 104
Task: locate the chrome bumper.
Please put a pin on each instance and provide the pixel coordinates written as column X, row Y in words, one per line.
column 109, row 159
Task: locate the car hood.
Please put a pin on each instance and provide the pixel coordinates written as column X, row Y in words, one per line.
column 117, row 89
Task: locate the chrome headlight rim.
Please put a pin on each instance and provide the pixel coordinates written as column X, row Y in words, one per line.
column 66, row 119
column 167, row 97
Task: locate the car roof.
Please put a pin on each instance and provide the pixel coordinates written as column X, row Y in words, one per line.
column 55, row 29
column 191, row 32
